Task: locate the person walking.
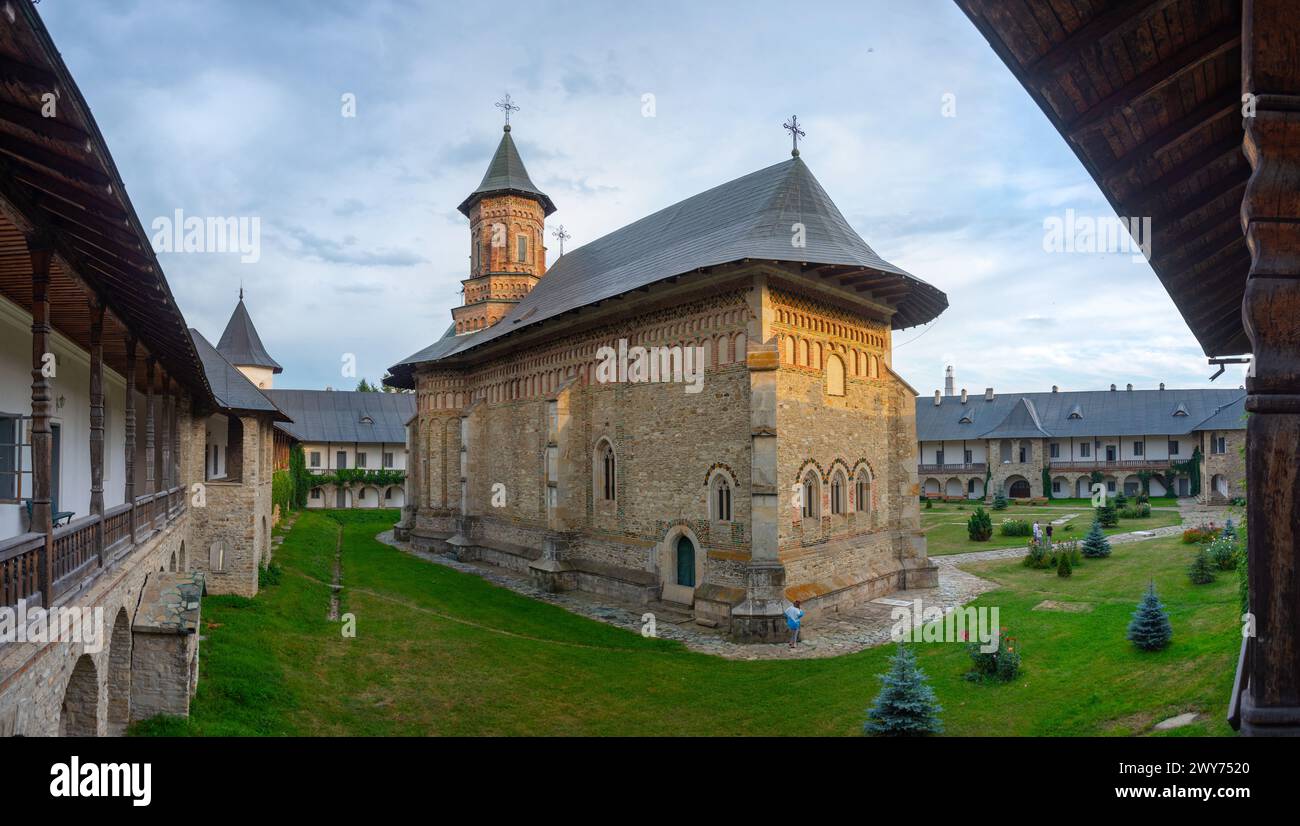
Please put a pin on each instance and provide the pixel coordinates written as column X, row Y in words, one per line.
column 793, row 619
column 1038, row 533
column 1049, row 534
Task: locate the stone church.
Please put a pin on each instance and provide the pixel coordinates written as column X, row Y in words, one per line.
column 785, row 470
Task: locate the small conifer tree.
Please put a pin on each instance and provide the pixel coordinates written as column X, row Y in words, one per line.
column 1201, row 570
column 999, row 501
column 1095, row 544
column 1107, row 516
column 1064, row 567
column 906, row 705
column 1150, row 629
column 979, row 526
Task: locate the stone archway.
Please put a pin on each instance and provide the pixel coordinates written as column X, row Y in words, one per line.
column 1018, row 487
column 952, row 488
column 79, row 714
column 119, row 674
column 681, row 565
column 932, row 487
column 975, row 488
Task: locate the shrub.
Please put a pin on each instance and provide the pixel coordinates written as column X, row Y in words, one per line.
column 1037, row 557
column 268, row 575
column 929, row 504
column 1150, row 629
column 980, row 526
column 1201, row 534
column 1016, row 527
column 1223, row 552
column 1135, row 512
column 1200, row 571
column 906, row 706
column 1106, row 515
column 1067, row 550
column 1064, row 568
column 1120, row 499
column 1095, row 544
column 1243, row 584
column 999, row 501
column 1002, row 665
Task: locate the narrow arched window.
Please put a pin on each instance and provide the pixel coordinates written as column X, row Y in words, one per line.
column 811, row 495
column 720, row 499
column 863, row 492
column 834, row 376
column 837, row 493
column 608, row 473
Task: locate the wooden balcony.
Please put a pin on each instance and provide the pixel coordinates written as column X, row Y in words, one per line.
column 1057, row 466
column 77, row 552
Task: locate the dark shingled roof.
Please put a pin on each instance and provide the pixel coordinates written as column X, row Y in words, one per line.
column 748, row 218
column 232, row 389
column 338, row 415
column 240, row 343
column 506, row 175
column 1105, row 413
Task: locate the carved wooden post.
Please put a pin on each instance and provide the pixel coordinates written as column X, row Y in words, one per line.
column 97, row 421
column 130, row 432
column 150, row 445
column 163, row 474
column 42, row 440
column 1270, row 215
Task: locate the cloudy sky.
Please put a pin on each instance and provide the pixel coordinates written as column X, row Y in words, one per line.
column 226, row 108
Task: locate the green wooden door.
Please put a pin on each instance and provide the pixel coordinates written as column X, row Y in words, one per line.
column 685, row 562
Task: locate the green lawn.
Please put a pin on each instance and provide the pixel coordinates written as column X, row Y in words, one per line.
column 440, row 652
column 945, row 524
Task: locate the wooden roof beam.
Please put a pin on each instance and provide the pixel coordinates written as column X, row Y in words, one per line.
column 1208, row 156
column 1198, row 200
column 34, row 79
column 1111, row 23
column 1164, row 73
column 32, row 155
column 1221, row 105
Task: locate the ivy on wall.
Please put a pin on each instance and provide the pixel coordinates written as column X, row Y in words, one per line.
column 347, row 477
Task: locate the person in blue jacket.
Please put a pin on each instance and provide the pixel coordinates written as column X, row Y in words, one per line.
column 793, row 616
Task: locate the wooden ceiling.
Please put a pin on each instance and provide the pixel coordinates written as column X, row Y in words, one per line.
column 58, row 179
column 1148, row 95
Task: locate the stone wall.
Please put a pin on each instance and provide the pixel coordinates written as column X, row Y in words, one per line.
column 34, row 678
column 1231, row 465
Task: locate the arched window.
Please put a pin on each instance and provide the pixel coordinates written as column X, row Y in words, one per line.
column 812, row 495
column 834, row 376
column 838, row 491
column 607, row 472
column 863, row 492
column 720, row 499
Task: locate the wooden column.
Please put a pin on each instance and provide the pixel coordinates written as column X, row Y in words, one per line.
column 163, row 473
column 1270, row 212
column 129, row 423
column 42, row 440
column 97, row 421
column 176, row 435
column 150, row 445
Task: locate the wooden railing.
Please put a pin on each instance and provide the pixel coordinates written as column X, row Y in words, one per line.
column 955, row 467
column 20, row 574
column 1083, row 466
column 79, row 549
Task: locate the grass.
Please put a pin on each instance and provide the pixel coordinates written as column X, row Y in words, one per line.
column 945, row 524
column 439, row 652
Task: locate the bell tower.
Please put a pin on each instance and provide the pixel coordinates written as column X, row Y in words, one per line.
column 507, row 217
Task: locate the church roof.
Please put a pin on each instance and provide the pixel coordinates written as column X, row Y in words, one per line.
column 506, row 175
column 231, row 388
column 747, row 218
column 240, row 343
column 345, row 415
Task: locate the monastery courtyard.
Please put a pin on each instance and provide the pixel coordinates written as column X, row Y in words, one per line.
column 437, row 632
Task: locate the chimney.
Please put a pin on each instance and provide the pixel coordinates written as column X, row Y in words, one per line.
column 988, row 394
column 1112, row 388
column 1056, row 389
column 1130, row 387
column 937, row 400
column 963, row 395
column 1162, row 385
column 947, row 381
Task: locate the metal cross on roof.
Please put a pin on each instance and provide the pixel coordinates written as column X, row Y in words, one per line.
column 792, row 126
column 562, row 235
column 506, row 106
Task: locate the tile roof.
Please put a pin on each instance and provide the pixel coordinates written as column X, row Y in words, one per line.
column 1103, row 413
column 505, row 175
column 232, row 389
column 340, row 415
column 747, row 218
column 240, row 343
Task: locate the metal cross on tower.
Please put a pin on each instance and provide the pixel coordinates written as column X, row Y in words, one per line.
column 562, row 236
column 506, row 106
column 792, row 126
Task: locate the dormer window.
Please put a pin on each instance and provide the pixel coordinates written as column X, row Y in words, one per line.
column 1180, row 410
column 1076, row 412
column 367, row 420
column 967, row 418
